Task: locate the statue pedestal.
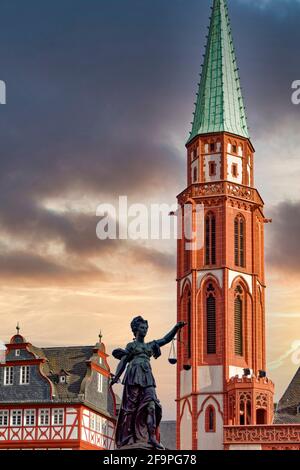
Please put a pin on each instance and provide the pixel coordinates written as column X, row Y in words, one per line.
column 138, row 446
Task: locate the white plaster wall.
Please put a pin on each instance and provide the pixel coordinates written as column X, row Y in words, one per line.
column 210, row 440
column 240, row 151
column 186, row 430
column 216, row 158
column 71, row 415
column 185, row 382
column 238, row 161
column 247, row 278
column 217, row 273
column 210, row 379
column 234, row 371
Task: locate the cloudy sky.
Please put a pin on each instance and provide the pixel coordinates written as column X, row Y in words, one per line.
column 99, row 102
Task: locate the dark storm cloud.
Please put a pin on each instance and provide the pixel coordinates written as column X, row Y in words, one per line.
column 30, row 268
column 283, row 251
column 98, row 92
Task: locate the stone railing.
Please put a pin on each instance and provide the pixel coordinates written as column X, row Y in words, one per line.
column 262, row 434
column 222, row 188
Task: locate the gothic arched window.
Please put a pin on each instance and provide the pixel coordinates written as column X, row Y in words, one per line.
column 189, row 326
column 211, row 326
column 239, row 241
column 238, row 321
column 210, row 419
column 210, row 239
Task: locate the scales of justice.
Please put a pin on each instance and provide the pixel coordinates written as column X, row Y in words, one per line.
column 140, row 413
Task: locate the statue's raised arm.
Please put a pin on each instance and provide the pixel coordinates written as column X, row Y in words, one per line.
column 171, row 335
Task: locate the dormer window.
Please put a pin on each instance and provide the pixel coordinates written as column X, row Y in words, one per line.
column 100, row 383
column 8, row 375
column 25, row 375
column 63, row 377
column 17, row 353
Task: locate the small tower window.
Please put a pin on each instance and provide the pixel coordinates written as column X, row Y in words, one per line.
column 234, row 148
column 298, row 410
column 234, row 170
column 239, row 241
column 195, row 175
column 212, row 147
column 212, row 169
column 210, row 239
column 210, row 419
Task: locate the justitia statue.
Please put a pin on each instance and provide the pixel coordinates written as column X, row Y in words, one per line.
column 140, row 412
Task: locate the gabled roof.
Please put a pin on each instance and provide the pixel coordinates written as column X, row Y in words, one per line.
column 219, row 106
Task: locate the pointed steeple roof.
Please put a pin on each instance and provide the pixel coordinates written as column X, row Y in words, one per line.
column 219, row 106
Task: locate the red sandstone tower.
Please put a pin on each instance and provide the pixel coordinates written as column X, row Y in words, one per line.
column 221, row 377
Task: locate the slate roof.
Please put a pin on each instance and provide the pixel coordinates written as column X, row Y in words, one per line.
column 219, row 106
column 72, row 360
column 287, row 408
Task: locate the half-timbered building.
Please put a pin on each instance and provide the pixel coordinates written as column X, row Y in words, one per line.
column 55, row 398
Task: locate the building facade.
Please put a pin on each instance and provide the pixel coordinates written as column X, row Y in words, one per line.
column 222, row 387
column 55, row 398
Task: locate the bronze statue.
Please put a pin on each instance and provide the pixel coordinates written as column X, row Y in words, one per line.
column 140, row 412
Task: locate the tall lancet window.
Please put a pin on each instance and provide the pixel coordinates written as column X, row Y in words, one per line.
column 210, row 239
column 189, row 326
column 238, row 321
column 239, row 241
column 211, row 326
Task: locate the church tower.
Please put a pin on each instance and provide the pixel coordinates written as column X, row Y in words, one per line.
column 221, row 378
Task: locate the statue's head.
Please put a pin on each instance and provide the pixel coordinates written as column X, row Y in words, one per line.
column 139, row 326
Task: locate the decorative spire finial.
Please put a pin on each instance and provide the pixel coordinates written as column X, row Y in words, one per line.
column 18, row 328
column 100, row 337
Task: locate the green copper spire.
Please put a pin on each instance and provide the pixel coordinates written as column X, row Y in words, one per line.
column 220, row 106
